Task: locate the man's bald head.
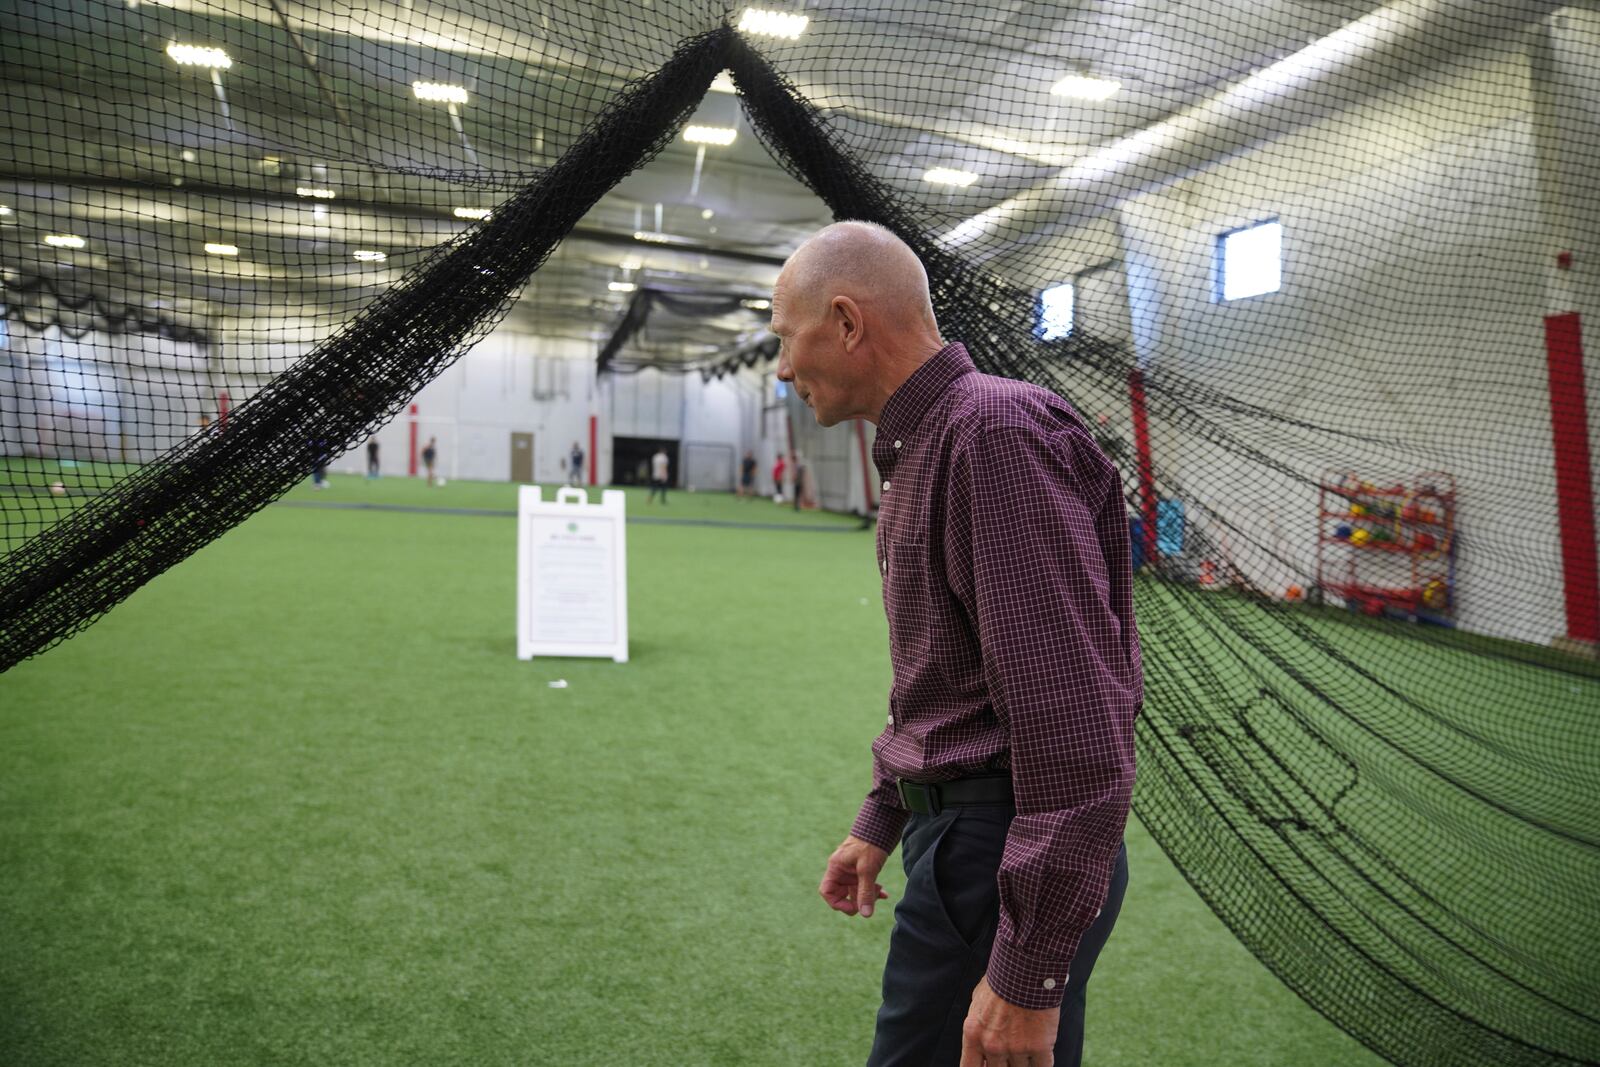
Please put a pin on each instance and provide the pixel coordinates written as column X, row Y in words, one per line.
column 852, row 315
column 863, row 261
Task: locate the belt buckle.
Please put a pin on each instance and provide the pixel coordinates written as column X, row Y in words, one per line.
column 919, row 797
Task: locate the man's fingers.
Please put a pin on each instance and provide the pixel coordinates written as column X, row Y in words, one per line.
column 867, row 888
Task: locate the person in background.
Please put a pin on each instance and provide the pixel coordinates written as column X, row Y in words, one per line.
column 777, row 478
column 660, row 472
column 575, row 465
column 747, row 475
column 430, row 456
column 1007, row 766
column 372, row 458
column 319, row 463
column 799, row 488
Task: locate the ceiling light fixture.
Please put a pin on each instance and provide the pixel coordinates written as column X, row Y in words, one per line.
column 439, row 93
column 655, row 238
column 193, row 55
column 621, row 287
column 717, row 135
column 1085, row 87
column 772, row 23
column 320, row 194
column 631, row 263
column 367, row 255
column 471, row 212
column 723, row 83
column 221, row 250
column 63, row 240
column 706, row 213
column 757, row 305
column 4, row 211
column 946, row 176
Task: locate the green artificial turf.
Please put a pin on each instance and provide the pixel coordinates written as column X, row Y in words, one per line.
column 297, row 802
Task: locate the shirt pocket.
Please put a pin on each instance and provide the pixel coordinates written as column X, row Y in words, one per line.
column 907, row 603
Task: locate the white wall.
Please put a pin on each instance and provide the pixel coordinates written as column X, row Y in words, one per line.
column 100, row 397
column 1412, row 229
column 508, row 383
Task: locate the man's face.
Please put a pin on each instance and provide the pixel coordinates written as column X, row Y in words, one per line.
column 811, row 357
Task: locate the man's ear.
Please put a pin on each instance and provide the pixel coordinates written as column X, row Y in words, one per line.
column 847, row 321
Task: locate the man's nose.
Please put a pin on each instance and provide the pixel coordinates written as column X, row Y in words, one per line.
column 785, row 373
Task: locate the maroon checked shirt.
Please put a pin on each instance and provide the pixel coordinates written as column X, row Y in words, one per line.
column 1003, row 545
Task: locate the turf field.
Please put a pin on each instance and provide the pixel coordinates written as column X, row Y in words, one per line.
column 297, row 802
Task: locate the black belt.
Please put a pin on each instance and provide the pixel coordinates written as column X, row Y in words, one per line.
column 930, row 798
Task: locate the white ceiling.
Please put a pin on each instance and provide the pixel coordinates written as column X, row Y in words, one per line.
column 108, row 139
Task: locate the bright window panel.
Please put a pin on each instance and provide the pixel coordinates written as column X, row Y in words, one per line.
column 1252, row 261
column 1055, row 311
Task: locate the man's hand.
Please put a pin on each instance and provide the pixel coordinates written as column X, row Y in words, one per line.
column 997, row 1033
column 850, row 883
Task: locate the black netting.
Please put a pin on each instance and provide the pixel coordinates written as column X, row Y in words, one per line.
column 1361, row 476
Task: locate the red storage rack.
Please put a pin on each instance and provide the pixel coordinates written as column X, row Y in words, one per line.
column 1389, row 549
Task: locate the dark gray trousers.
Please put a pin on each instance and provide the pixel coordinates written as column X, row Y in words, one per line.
column 944, row 928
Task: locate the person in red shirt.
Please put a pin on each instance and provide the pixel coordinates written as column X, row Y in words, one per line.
column 777, row 477
column 1007, row 764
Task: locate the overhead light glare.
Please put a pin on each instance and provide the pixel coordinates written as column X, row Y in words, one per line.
column 707, row 213
column 652, row 237
column 221, row 249
column 320, row 194
column 193, row 55
column 471, row 212
column 4, row 211
column 757, row 305
column 772, row 23
column 621, row 287
column 1084, row 87
column 63, row 240
column 946, row 176
column 631, row 263
column 367, row 255
column 439, row 93
column 718, row 135
column 723, row 83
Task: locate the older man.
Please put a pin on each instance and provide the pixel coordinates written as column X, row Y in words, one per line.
column 1006, row 767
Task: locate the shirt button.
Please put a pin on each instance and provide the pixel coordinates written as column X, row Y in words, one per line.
column 886, row 486
column 897, row 444
column 891, row 721
column 1049, row 983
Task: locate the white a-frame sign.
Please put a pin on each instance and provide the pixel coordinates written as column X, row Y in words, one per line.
column 572, row 574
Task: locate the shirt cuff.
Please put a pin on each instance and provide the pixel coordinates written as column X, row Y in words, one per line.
column 878, row 824
column 1026, row 981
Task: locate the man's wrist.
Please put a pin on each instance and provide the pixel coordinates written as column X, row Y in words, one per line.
column 879, row 825
column 1024, row 980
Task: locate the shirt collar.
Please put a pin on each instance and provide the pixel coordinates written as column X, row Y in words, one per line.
column 903, row 411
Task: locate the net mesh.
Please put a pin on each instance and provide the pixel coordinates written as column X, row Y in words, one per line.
column 1318, row 317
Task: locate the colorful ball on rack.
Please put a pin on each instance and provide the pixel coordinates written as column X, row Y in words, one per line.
column 1293, row 593
column 1425, row 542
column 1358, row 509
column 1435, row 595
column 1360, row 537
column 1342, row 533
